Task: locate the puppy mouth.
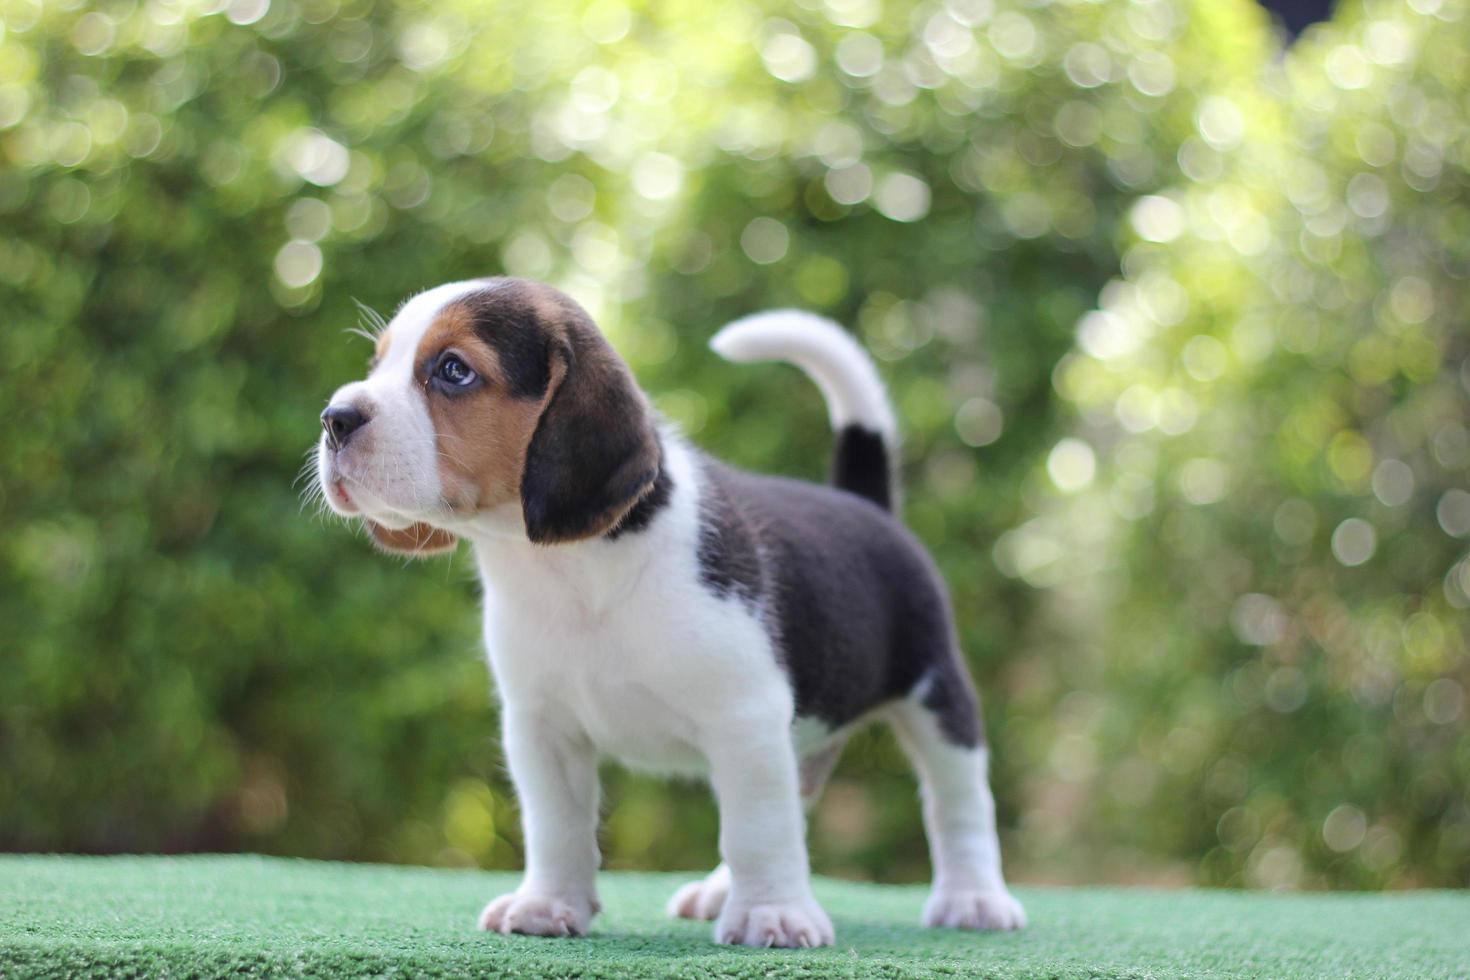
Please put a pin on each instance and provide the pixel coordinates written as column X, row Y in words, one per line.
column 339, row 492
column 337, row 487
column 359, row 502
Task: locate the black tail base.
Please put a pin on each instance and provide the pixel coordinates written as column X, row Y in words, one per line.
column 861, row 465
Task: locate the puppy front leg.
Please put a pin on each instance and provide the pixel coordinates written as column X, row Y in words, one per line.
column 762, row 839
column 555, row 775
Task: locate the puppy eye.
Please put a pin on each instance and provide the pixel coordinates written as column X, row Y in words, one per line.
column 455, row 371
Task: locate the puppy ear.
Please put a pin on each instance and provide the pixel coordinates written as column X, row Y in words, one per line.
column 415, row 541
column 594, row 453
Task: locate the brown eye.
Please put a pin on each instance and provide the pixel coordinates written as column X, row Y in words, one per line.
column 454, row 371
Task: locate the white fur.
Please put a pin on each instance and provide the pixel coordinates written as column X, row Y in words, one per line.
column 616, row 648
column 829, row 354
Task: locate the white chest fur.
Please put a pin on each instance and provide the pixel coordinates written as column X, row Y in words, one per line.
column 620, row 640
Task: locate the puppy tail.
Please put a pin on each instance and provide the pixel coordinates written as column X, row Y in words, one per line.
column 867, row 433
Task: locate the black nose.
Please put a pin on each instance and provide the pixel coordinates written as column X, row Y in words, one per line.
column 340, row 421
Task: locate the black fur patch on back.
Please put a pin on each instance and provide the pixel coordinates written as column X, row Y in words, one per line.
column 860, row 465
column 856, row 608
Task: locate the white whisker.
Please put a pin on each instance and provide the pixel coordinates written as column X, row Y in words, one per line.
column 374, row 319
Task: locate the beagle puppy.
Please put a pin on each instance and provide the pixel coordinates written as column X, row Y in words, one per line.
column 645, row 602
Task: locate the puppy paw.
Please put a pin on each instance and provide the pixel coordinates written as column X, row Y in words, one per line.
column 539, row 915
column 991, row 908
column 701, row 899
column 783, row 924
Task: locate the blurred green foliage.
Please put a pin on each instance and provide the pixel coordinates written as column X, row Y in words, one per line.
column 1175, row 324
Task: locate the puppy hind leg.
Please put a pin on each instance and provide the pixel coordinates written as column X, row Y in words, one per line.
column 701, row 899
column 705, row 898
column 969, row 890
column 815, row 768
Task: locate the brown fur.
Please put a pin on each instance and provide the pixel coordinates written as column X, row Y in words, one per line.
column 416, row 540
column 482, row 435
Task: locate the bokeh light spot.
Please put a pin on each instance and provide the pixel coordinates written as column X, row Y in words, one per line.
column 765, row 240
column 1071, row 465
column 1453, row 512
column 1354, row 541
column 1393, row 482
column 902, row 197
column 1156, row 218
column 979, row 422
column 1344, row 828
column 789, row 57
column 298, row 263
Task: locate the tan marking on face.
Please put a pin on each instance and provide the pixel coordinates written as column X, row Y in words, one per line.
column 482, row 435
column 380, row 349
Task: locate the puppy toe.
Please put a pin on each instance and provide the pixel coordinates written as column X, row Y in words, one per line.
column 799, row 924
column 685, row 902
column 990, row 909
column 493, row 915
column 538, row 915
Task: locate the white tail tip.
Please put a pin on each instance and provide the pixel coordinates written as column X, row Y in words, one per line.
column 828, row 354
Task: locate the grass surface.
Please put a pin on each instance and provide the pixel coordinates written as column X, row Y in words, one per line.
column 250, row 916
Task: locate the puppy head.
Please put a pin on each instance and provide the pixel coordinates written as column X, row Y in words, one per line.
column 483, row 396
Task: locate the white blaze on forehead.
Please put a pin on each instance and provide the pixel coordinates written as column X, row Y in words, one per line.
column 414, row 319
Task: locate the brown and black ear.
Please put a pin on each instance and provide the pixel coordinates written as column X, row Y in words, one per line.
column 594, row 453
column 414, row 541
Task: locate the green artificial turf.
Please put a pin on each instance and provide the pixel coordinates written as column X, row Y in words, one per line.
column 251, row 917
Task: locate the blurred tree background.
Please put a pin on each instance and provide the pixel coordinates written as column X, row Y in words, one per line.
column 1175, row 321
